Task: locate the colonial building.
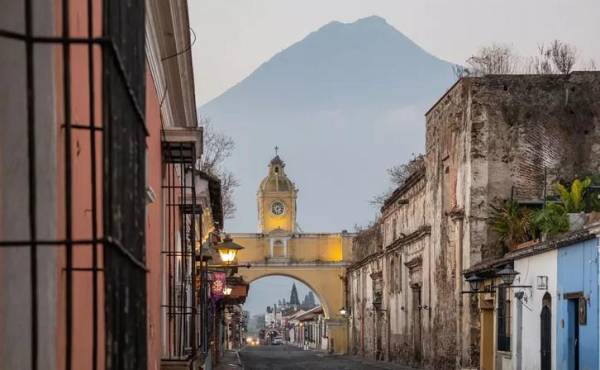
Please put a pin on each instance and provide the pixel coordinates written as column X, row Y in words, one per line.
column 487, row 139
column 102, row 212
column 319, row 260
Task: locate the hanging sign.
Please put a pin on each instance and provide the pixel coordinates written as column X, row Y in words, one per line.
column 218, row 285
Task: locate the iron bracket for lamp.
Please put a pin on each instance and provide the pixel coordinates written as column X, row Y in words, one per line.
column 492, row 289
column 224, row 266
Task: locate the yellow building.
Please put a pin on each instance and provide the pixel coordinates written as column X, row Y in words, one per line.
column 319, row 260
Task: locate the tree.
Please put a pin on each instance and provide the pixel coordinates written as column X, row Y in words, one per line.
column 398, row 175
column 217, row 148
column 559, row 57
column 494, row 59
column 563, row 56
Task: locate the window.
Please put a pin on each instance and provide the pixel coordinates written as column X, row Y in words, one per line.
column 392, row 274
column 399, row 273
column 503, row 317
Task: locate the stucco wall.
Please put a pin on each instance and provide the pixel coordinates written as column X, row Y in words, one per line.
column 525, row 341
column 15, row 283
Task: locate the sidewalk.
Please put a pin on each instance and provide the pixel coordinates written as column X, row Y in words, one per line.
column 229, row 361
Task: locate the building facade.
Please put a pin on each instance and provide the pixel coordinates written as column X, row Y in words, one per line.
column 548, row 317
column 101, row 211
column 488, row 139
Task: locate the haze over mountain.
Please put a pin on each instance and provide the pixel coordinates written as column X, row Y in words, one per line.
column 343, row 105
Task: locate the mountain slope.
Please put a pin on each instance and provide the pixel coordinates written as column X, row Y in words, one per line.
column 343, row 104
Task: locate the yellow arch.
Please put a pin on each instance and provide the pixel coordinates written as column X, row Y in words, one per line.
column 327, row 284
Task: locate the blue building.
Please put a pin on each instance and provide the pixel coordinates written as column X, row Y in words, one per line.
column 577, row 334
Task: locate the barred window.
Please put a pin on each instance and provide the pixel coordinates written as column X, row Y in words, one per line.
column 503, row 320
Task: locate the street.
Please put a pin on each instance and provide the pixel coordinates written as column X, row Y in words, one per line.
column 288, row 357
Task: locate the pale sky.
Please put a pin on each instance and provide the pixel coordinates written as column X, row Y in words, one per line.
column 235, row 36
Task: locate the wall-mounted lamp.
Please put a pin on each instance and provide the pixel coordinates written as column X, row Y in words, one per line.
column 343, row 311
column 474, row 282
column 227, row 290
column 507, row 274
column 228, row 250
column 542, row 282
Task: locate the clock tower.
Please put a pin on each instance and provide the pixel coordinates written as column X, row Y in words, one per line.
column 277, row 200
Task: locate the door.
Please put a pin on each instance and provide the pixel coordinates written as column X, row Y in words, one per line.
column 546, row 333
column 573, row 336
column 416, row 324
column 487, row 338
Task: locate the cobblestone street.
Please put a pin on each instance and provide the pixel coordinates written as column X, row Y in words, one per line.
column 292, row 358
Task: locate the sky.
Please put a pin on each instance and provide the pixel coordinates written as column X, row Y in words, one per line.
column 268, row 290
column 235, row 36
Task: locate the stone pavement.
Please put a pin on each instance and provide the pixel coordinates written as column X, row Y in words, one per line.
column 287, row 357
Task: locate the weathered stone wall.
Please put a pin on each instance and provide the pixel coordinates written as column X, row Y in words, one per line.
column 366, row 242
column 487, row 139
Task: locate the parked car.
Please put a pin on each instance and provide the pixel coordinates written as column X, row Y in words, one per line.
column 277, row 341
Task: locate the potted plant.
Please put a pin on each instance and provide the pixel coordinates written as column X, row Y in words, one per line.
column 551, row 220
column 512, row 223
column 573, row 201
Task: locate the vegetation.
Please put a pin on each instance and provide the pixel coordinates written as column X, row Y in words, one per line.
column 592, row 198
column 573, row 199
column 217, row 148
column 398, row 175
column 552, row 219
column 513, row 223
column 556, row 58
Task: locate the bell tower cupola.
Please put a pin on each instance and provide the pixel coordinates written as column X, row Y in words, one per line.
column 277, row 200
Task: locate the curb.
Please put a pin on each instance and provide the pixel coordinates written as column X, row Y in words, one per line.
column 239, row 360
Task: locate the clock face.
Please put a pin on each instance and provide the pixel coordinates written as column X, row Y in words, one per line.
column 277, row 208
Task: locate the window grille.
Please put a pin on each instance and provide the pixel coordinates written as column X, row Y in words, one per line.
column 503, row 316
column 99, row 242
column 182, row 222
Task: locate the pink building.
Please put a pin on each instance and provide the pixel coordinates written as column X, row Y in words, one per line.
column 102, row 212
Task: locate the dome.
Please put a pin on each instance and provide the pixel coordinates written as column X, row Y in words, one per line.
column 276, row 180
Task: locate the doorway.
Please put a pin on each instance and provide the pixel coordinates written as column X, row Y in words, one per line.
column 416, row 324
column 546, row 333
column 487, row 337
column 573, row 333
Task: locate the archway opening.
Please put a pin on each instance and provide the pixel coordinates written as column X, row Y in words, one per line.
column 284, row 310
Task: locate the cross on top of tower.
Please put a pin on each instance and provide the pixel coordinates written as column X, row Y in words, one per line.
column 276, row 150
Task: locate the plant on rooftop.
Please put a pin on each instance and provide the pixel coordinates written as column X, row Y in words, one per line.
column 513, row 223
column 573, row 198
column 592, row 196
column 552, row 219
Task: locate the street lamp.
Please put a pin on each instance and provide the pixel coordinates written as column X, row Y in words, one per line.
column 228, row 250
column 508, row 275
